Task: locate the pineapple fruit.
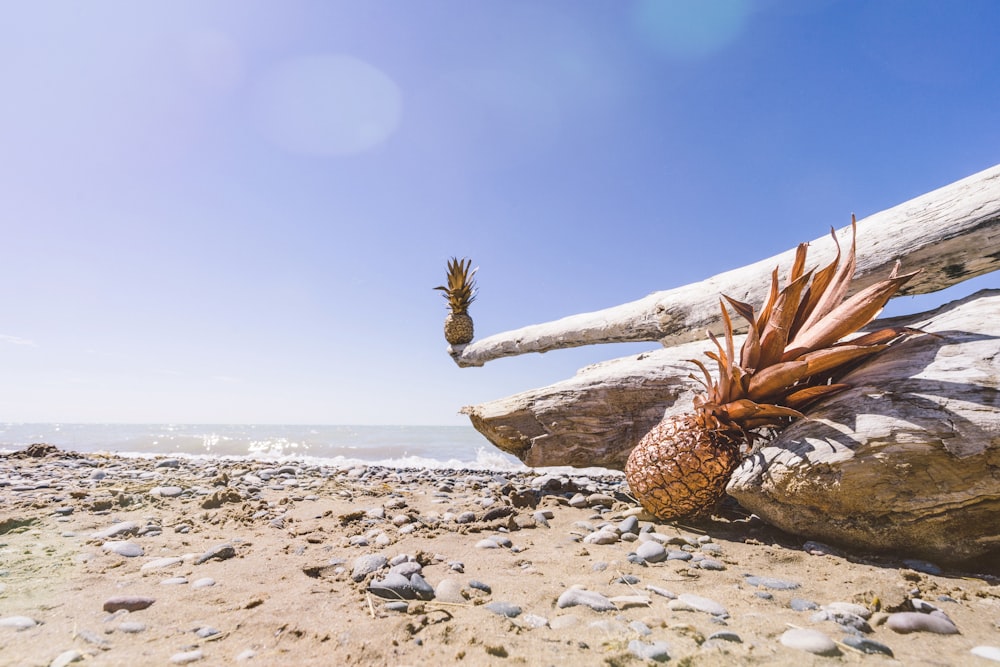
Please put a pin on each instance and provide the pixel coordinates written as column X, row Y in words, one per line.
column 791, row 355
column 459, row 292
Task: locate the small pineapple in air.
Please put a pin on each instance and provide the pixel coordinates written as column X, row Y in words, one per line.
column 460, row 292
column 792, row 353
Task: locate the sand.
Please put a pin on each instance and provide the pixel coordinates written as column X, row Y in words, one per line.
column 276, row 541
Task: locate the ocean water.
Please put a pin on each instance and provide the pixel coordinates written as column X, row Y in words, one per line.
column 394, row 446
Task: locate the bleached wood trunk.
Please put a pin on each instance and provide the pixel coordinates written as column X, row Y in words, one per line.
column 597, row 416
column 952, row 234
column 908, row 459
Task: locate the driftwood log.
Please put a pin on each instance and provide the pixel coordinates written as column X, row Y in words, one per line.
column 596, row 417
column 906, row 460
column 952, row 234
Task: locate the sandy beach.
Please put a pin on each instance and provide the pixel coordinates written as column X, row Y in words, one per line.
column 107, row 560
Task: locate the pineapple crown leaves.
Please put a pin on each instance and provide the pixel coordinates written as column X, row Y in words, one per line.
column 794, row 345
column 460, row 291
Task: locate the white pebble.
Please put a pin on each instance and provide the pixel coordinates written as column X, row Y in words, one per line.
column 160, row 563
column 185, row 657
column 18, row 622
column 703, row 604
column 580, row 596
column 811, row 641
column 988, row 652
column 66, row 657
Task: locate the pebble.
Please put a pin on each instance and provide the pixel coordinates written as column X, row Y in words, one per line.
column 160, row 563
column 131, row 627
column 166, row 491
column 629, row 525
column 399, row 587
column 126, row 549
column 219, row 552
column 770, row 582
column 710, row 564
column 988, row 652
column 118, row 529
column 365, row 565
column 658, row 651
column 534, row 621
column 725, row 636
column 702, row 604
column 128, row 602
column 204, row 582
column 449, row 589
column 18, row 622
column 67, row 657
column 480, row 586
column 811, row 641
column 174, row 581
column 849, row 608
column 651, row 552
column 866, row 645
column 580, row 596
column 844, row 619
column 905, row 622
column 185, row 657
column 507, row 609
column 801, row 604
column 661, row 592
column 602, row 536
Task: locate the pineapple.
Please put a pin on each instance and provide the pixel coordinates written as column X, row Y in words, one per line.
column 791, row 354
column 460, row 292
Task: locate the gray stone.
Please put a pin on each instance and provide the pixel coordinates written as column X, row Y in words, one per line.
column 365, row 565
column 866, row 645
column 651, row 552
column 801, row 604
column 905, row 622
column 507, row 609
column 702, row 604
column 126, row 549
column 117, row 530
column 772, row 583
column 128, row 602
column 581, row 596
column 131, row 627
column 223, row 551
column 658, row 651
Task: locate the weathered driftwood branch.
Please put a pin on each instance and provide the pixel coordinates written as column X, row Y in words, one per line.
column 952, row 234
column 597, row 416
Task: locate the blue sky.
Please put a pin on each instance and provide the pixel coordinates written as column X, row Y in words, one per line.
column 235, row 211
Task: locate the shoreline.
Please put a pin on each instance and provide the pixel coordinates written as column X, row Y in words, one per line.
column 275, row 563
